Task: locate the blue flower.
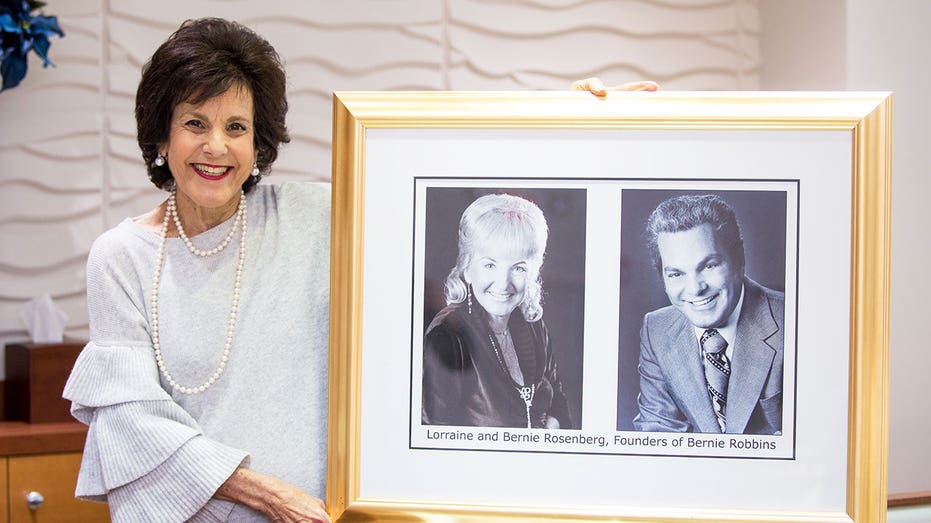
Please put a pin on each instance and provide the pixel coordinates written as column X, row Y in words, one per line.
column 21, row 32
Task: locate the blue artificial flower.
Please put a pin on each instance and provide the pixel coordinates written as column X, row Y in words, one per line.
column 21, row 32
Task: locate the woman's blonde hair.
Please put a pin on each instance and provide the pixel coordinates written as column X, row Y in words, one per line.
column 513, row 223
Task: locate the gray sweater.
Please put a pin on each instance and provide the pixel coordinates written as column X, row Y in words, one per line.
column 158, row 455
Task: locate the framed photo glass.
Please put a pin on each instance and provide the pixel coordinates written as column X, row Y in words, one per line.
column 654, row 306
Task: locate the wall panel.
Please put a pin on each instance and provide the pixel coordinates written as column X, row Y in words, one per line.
column 70, row 166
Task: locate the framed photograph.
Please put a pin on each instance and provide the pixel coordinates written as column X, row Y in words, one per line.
column 647, row 307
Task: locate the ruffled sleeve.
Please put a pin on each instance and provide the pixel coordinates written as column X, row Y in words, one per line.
column 144, row 454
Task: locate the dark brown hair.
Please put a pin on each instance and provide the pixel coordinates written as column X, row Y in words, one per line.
column 203, row 59
column 682, row 213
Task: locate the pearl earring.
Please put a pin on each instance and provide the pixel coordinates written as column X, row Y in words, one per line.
column 469, row 293
column 255, row 169
column 159, row 160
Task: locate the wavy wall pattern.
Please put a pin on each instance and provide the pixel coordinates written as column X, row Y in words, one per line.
column 70, row 167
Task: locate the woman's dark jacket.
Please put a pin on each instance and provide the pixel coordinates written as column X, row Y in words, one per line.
column 466, row 383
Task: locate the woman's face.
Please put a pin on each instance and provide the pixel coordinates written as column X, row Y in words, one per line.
column 211, row 149
column 498, row 280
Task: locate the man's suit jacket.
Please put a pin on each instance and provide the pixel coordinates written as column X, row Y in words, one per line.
column 673, row 394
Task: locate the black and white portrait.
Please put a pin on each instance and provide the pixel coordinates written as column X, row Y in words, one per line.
column 702, row 311
column 504, row 276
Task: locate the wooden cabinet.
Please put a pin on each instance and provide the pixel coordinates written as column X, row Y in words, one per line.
column 4, row 498
column 43, row 458
column 40, row 444
column 53, row 476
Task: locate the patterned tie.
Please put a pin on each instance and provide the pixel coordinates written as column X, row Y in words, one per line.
column 717, row 371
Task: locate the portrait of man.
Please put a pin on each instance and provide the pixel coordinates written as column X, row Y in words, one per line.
column 711, row 359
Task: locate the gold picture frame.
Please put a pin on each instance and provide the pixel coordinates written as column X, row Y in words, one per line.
column 369, row 127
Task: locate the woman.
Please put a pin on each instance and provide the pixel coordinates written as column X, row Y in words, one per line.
column 204, row 382
column 483, row 364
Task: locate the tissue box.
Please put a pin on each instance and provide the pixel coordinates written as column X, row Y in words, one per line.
column 35, row 376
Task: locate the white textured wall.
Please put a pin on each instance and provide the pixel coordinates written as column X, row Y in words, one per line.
column 54, row 188
column 70, row 167
column 803, row 45
column 888, row 44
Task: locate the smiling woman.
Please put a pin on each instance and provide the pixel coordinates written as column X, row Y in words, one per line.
column 197, row 409
column 484, row 365
column 204, row 61
column 211, row 153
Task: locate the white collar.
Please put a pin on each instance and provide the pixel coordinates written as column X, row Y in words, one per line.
column 729, row 330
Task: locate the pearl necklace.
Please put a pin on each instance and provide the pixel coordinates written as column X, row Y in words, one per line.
column 171, row 212
column 187, row 241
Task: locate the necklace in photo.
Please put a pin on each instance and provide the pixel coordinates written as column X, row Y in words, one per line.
column 525, row 392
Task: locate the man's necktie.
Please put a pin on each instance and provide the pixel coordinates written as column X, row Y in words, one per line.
column 717, row 371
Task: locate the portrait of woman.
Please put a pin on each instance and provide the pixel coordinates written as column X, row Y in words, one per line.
column 488, row 357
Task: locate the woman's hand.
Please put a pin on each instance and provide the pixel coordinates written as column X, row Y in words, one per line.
column 595, row 86
column 551, row 422
column 293, row 504
column 276, row 499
